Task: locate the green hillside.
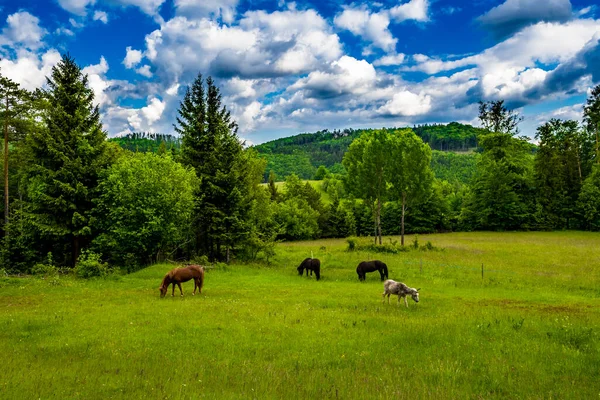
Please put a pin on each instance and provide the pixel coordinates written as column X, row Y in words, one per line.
column 453, row 157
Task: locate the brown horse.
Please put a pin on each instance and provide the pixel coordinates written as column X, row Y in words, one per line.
column 178, row 275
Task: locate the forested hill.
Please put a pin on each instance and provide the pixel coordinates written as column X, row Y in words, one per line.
column 303, row 154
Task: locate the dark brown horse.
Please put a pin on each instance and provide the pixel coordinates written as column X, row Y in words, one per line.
column 178, row 275
column 370, row 266
column 310, row 264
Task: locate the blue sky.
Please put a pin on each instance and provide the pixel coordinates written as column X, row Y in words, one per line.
column 291, row 67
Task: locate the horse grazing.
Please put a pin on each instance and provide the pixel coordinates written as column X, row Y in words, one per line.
column 370, row 266
column 400, row 290
column 184, row 274
column 310, row 264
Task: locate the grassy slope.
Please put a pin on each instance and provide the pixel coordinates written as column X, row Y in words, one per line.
column 529, row 329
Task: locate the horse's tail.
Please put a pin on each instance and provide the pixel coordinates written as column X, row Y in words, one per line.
column 201, row 278
column 317, row 267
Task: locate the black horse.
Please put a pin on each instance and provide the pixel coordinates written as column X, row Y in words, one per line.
column 370, row 266
column 310, row 264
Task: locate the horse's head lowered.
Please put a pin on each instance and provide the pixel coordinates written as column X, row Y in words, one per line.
column 165, row 285
column 300, row 269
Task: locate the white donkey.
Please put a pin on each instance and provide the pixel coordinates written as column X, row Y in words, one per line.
column 399, row 289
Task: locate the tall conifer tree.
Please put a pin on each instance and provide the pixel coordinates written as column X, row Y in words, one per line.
column 67, row 157
column 210, row 145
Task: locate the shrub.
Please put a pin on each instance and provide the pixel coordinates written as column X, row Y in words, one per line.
column 46, row 268
column 429, row 247
column 90, row 265
column 352, row 241
column 415, row 243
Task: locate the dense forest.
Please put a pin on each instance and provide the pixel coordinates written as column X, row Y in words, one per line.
column 74, row 198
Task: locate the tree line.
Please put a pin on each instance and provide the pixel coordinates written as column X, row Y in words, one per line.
column 72, row 197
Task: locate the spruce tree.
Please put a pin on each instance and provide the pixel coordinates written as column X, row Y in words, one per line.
column 67, row 158
column 211, row 147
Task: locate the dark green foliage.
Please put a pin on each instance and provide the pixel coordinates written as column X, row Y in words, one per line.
column 453, row 167
column 298, row 221
column 337, row 221
column 562, row 162
column 45, row 268
column 273, row 193
column 89, row 265
column 501, row 196
column 591, row 117
column 144, row 210
column 588, row 203
column 299, row 211
column 321, row 173
column 283, row 165
column 66, row 159
column 211, row 147
column 451, row 137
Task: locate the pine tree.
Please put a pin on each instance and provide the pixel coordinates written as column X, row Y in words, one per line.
column 67, row 158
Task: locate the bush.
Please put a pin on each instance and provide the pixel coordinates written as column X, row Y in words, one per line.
column 352, row 241
column 90, row 265
column 46, row 268
column 415, row 243
column 430, row 247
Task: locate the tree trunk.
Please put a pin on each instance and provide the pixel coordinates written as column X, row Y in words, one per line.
column 402, row 224
column 6, row 169
column 379, row 219
column 375, row 223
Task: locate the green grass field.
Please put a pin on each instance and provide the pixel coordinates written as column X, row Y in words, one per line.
column 530, row 328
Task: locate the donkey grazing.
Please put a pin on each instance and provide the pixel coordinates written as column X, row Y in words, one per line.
column 178, row 275
column 399, row 289
column 310, row 264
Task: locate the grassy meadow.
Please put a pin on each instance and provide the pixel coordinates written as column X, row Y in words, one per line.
column 530, row 328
